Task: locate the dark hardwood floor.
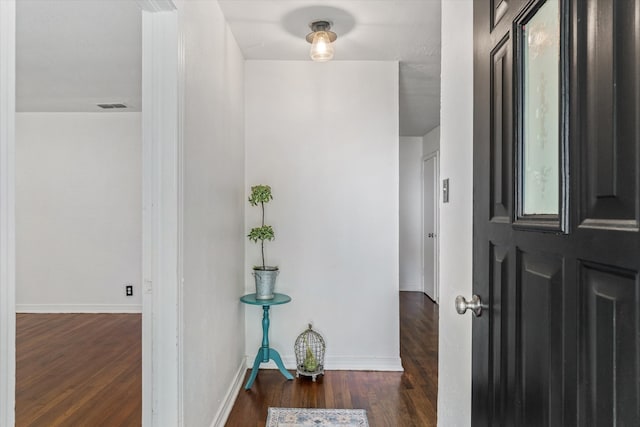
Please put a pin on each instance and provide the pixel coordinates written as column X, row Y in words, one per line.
column 85, row 370
column 78, row 370
column 392, row 399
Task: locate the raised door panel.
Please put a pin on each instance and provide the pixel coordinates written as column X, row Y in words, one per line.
column 610, row 362
column 501, row 138
column 499, row 316
column 540, row 287
column 499, row 9
column 501, row 12
column 609, row 58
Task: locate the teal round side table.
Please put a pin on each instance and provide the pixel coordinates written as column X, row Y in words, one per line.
column 266, row 353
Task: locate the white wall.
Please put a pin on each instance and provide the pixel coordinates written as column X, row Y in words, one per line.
column 431, row 141
column 78, row 211
column 456, row 163
column 411, row 213
column 213, row 320
column 325, row 137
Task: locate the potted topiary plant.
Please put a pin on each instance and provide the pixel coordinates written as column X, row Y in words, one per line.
column 265, row 276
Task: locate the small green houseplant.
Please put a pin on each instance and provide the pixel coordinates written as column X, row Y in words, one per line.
column 265, row 275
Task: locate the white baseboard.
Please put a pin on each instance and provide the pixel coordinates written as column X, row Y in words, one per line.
column 230, row 398
column 78, row 308
column 393, row 364
column 410, row 287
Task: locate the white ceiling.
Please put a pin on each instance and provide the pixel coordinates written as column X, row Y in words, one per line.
column 404, row 30
column 72, row 55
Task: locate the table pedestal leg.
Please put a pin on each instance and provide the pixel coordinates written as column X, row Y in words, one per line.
column 254, row 371
column 265, row 353
column 275, row 356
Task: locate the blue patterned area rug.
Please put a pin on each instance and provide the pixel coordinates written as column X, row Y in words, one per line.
column 302, row 417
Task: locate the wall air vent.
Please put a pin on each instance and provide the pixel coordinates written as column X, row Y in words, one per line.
column 111, row 106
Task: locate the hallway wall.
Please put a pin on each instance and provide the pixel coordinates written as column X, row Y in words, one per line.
column 213, row 318
column 325, row 137
column 456, row 219
column 431, row 141
column 411, row 213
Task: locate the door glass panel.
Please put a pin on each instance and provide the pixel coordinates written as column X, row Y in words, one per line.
column 540, row 119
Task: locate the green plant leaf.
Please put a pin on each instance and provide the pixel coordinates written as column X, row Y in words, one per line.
column 261, row 233
column 260, row 194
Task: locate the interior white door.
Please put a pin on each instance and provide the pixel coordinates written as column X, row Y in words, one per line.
column 430, row 203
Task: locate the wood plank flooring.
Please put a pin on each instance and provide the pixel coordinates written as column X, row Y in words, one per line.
column 392, row 399
column 78, row 370
column 85, row 370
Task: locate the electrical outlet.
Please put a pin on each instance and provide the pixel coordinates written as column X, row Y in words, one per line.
column 128, row 290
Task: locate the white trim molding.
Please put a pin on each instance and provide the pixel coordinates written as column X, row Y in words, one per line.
column 180, row 261
column 393, row 364
column 340, row 363
column 162, row 228
column 230, row 397
column 79, row 308
column 7, row 212
column 156, row 5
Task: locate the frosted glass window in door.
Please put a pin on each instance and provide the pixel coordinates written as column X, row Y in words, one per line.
column 540, row 120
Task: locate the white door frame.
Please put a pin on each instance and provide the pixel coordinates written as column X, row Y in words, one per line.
column 436, row 192
column 162, row 216
column 162, row 72
column 7, row 212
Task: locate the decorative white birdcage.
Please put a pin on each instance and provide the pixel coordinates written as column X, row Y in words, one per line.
column 310, row 348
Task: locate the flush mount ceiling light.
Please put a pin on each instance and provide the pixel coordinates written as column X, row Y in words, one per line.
column 321, row 40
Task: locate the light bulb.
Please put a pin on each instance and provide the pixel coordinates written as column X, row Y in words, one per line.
column 321, row 47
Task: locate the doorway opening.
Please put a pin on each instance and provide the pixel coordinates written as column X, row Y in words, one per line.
column 430, row 225
column 78, row 177
column 419, row 218
column 161, row 232
column 419, row 214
